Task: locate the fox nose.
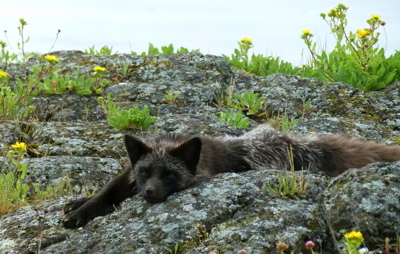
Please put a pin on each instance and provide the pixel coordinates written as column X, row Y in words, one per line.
column 149, row 191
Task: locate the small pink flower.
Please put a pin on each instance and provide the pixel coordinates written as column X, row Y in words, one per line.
column 242, row 252
column 310, row 245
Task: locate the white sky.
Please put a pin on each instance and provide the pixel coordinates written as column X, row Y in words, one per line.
column 213, row 26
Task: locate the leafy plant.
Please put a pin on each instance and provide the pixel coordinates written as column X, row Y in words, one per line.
column 286, row 187
column 249, row 103
column 356, row 59
column 287, row 124
column 100, row 83
column 60, row 84
column 121, row 72
column 14, row 102
column 164, row 50
column 170, row 97
column 233, row 118
column 82, row 85
column 57, row 84
column 21, row 45
column 104, row 51
column 353, row 240
column 258, row 64
column 5, row 56
column 175, row 250
column 120, row 119
column 12, row 190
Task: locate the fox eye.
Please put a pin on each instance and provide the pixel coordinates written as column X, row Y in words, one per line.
column 144, row 173
column 169, row 175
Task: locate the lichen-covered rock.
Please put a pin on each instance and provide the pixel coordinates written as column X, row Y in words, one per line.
column 68, row 138
column 229, row 213
column 367, row 200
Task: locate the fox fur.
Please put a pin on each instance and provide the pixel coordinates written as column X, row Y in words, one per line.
column 174, row 162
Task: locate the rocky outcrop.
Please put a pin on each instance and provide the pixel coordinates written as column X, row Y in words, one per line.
column 69, row 138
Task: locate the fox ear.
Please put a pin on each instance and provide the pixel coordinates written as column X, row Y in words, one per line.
column 135, row 148
column 189, row 153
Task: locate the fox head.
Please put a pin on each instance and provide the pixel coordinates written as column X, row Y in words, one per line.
column 160, row 171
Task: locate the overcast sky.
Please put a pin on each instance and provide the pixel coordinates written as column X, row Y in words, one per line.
column 213, row 26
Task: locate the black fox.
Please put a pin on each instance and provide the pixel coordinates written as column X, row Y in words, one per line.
column 173, row 162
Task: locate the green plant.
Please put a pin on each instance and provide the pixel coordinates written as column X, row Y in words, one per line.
column 21, row 45
column 286, row 187
column 5, row 56
column 120, row 119
column 356, row 58
column 60, row 84
column 164, row 50
column 233, row 118
column 12, row 191
column 175, row 250
column 287, row 124
column 258, row 64
column 100, row 83
column 14, row 101
column 121, row 72
column 104, row 51
column 170, row 97
column 56, row 84
column 82, row 85
column 249, row 103
column 353, row 240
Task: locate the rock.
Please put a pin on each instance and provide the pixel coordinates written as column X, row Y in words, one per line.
column 69, row 140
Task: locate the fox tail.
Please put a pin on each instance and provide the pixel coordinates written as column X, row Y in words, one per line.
column 340, row 153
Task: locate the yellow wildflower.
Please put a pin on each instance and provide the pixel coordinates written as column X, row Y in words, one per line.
column 20, row 146
column 3, row 74
column 361, row 33
column 375, row 16
column 306, row 31
column 99, row 69
column 51, row 58
column 245, row 39
column 354, row 234
column 3, row 44
column 332, row 13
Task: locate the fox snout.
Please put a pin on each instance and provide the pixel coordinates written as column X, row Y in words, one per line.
column 153, row 191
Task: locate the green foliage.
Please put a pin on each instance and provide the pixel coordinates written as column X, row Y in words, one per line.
column 164, row 50
column 60, row 84
column 14, row 101
column 262, row 65
column 286, row 187
column 104, row 51
column 12, row 187
column 5, row 56
column 356, row 59
column 21, row 45
column 13, row 191
column 287, row 124
column 121, row 72
column 233, row 118
column 250, row 103
column 121, row 119
column 175, row 250
column 170, row 97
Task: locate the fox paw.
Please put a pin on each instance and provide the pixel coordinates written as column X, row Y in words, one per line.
column 74, row 204
column 75, row 219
